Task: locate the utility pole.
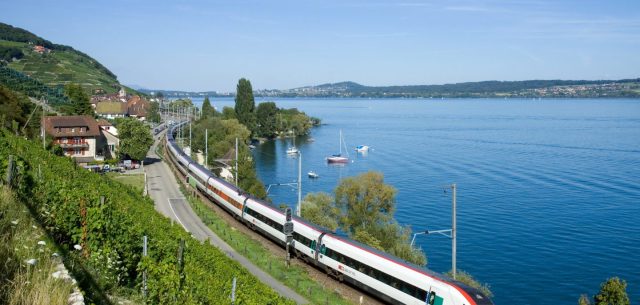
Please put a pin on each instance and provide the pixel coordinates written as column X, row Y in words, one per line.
column 453, row 230
column 236, row 162
column 44, row 132
column 299, row 209
column 206, row 148
column 189, row 137
column 144, row 274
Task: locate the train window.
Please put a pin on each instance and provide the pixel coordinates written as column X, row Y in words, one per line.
column 313, row 245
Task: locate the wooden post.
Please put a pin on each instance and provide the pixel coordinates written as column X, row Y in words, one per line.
column 83, row 214
column 10, row 171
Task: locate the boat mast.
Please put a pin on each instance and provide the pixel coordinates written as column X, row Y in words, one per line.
column 340, row 142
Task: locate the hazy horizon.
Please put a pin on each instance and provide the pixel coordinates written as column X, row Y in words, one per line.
column 208, row 46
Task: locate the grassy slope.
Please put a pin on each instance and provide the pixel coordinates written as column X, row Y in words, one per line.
column 20, row 282
column 61, row 67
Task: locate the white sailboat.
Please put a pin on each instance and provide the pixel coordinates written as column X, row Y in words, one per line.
column 293, row 150
column 338, row 158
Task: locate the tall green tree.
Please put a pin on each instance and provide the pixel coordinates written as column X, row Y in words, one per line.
column 135, row 138
column 228, row 113
column 366, row 200
column 15, row 110
column 363, row 207
column 207, row 109
column 245, row 105
column 80, row 104
column 154, row 112
column 320, row 209
column 266, row 117
column 612, row 292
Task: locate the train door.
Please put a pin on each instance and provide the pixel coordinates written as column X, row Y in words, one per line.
column 433, row 298
column 316, row 246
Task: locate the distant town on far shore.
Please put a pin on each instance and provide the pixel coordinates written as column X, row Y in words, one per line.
column 625, row 88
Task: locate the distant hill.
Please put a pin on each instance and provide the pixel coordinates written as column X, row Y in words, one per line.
column 53, row 64
column 512, row 89
column 627, row 88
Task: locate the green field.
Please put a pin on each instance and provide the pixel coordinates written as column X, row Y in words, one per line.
column 62, row 67
column 135, row 180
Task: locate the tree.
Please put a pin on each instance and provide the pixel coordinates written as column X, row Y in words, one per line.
column 320, row 209
column 79, row 100
column 245, row 105
column 366, row 200
column 228, row 113
column 247, row 177
column 207, row 109
column 612, row 292
column 135, row 138
column 363, row 208
column 14, row 112
column 154, row 112
column 266, row 118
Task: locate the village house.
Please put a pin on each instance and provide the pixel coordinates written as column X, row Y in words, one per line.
column 41, row 49
column 110, row 139
column 137, row 107
column 77, row 135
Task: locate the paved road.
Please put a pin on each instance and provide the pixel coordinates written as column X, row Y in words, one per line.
column 163, row 189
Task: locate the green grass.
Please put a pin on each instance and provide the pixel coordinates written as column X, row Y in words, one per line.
column 295, row 277
column 135, row 180
column 20, row 282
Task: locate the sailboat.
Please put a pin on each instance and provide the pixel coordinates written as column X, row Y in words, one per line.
column 293, row 150
column 338, row 158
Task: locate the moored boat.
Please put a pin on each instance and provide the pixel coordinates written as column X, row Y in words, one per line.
column 313, row 174
column 362, row 148
column 339, row 158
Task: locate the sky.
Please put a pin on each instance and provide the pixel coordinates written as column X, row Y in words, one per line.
column 209, row 45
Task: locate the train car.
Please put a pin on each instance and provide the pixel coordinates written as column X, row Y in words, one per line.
column 226, row 195
column 389, row 278
column 199, row 175
column 265, row 218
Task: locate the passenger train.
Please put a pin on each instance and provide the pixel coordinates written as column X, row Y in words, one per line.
column 389, row 278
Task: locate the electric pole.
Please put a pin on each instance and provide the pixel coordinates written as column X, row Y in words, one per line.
column 206, row 148
column 299, row 209
column 453, row 230
column 236, row 162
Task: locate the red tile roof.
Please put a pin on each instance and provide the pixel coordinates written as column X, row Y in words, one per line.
column 65, row 123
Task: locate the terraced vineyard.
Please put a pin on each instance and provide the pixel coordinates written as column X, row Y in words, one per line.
column 60, row 67
column 101, row 240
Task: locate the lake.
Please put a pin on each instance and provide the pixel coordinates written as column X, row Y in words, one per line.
column 548, row 190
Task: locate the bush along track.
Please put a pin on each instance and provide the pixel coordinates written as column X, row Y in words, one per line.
column 107, row 221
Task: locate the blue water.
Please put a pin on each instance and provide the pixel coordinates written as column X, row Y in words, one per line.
column 548, row 190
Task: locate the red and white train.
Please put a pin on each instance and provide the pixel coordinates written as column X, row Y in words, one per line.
column 389, row 278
